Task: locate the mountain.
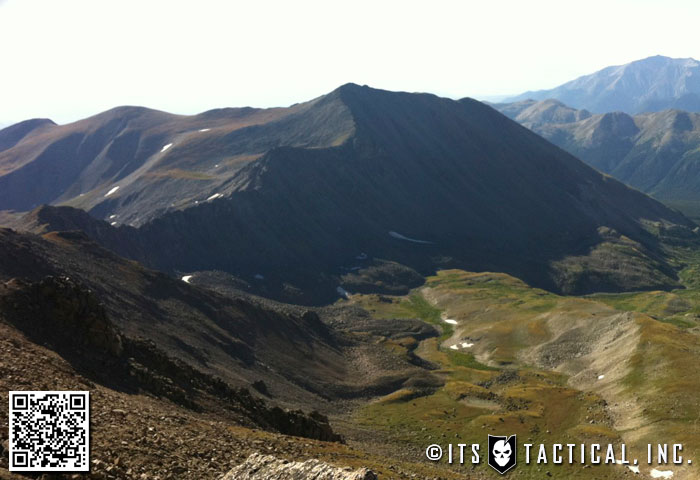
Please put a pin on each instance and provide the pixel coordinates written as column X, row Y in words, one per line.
column 185, row 382
column 12, row 135
column 236, row 338
column 533, row 113
column 657, row 153
column 649, row 85
column 360, row 186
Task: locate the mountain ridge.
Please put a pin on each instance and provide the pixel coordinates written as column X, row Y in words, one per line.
column 648, row 85
column 13, row 134
column 360, row 174
column 654, row 152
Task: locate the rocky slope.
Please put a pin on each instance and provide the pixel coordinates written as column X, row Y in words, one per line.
column 243, row 341
column 654, row 152
column 187, row 383
column 144, row 436
column 355, row 186
column 649, row 85
column 265, row 467
column 61, row 314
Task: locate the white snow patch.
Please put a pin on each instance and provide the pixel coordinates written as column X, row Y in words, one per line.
column 114, row 189
column 661, row 473
column 258, row 277
column 165, row 147
column 402, row 237
column 216, row 166
column 186, row 278
column 215, row 196
column 113, row 223
column 631, row 467
column 450, row 321
column 112, row 216
column 204, row 129
column 600, row 377
column 82, row 194
column 342, row 292
column 467, row 345
column 454, row 347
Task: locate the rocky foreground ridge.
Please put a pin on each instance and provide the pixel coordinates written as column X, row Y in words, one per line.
column 267, row 467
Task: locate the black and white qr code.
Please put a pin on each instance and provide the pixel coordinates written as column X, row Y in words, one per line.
column 49, row 431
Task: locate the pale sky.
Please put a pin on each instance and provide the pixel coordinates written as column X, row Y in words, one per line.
column 70, row 59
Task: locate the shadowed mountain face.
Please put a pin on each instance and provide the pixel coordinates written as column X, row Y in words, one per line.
column 657, row 153
column 233, row 338
column 59, row 279
column 298, row 198
column 649, row 85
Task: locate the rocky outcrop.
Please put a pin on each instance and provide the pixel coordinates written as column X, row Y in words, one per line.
column 267, row 467
column 63, row 313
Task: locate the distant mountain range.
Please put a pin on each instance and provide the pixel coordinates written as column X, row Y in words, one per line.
column 649, row 85
column 357, row 189
column 658, row 153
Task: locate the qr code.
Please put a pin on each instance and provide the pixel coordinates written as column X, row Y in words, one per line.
column 49, row 431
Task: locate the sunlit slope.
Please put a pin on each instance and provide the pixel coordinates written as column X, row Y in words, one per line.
column 552, row 369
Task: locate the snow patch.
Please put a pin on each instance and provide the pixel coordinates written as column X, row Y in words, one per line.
column 661, row 473
column 165, row 147
column 114, row 189
column 407, row 239
column 215, row 196
column 342, row 292
column 454, row 347
column 631, row 467
column 467, row 345
column 204, row 129
column 450, row 321
column 112, row 216
column 113, row 223
column 258, row 277
column 187, row 278
column 600, row 377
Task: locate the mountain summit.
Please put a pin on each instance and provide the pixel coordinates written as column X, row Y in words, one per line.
column 359, row 188
column 649, row 85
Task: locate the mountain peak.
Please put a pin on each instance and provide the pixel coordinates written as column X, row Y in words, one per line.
column 12, row 135
column 410, row 178
column 351, row 86
column 651, row 84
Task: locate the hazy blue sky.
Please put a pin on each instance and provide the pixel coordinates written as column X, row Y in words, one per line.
column 72, row 58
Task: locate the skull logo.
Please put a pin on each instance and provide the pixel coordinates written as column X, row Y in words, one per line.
column 502, row 453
